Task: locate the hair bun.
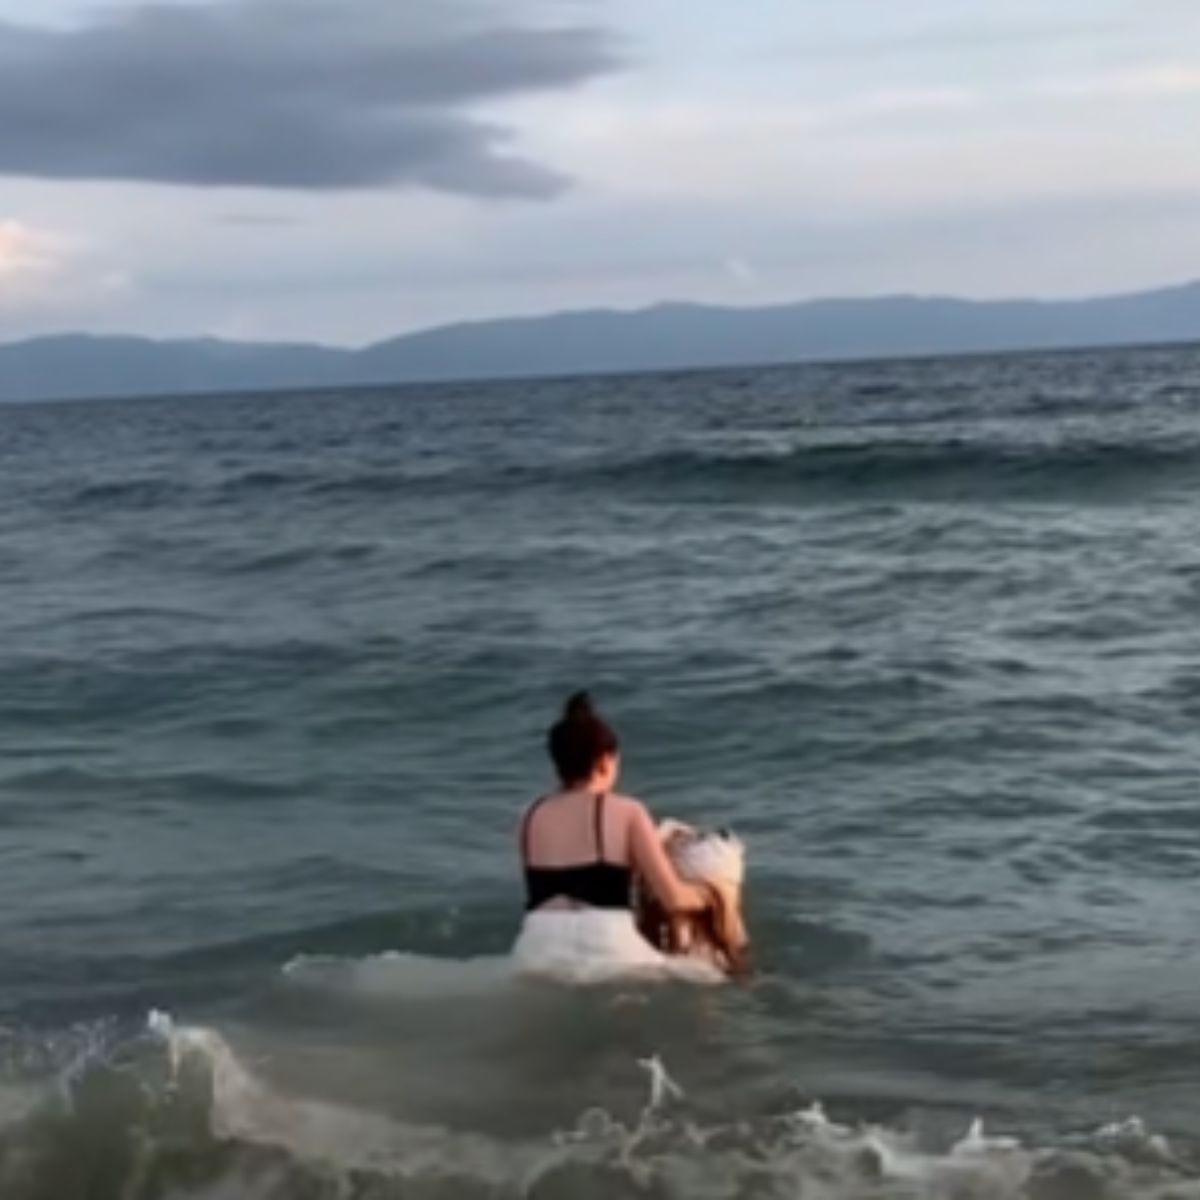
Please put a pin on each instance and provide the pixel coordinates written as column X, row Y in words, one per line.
column 579, row 707
column 579, row 741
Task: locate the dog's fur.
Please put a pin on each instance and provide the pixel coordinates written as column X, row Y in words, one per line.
column 718, row 934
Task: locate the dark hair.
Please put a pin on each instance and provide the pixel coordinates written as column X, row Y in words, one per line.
column 579, row 739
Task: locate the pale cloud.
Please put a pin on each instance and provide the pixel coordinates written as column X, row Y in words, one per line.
column 912, row 100
column 887, row 149
column 739, row 269
column 25, row 252
column 718, row 150
column 1144, row 81
column 44, row 272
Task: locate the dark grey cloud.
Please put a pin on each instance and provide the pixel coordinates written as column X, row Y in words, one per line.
column 308, row 94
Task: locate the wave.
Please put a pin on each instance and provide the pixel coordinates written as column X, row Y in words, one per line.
column 154, row 679
column 880, row 468
column 930, row 469
column 176, row 1110
column 347, row 481
column 135, row 495
column 299, row 556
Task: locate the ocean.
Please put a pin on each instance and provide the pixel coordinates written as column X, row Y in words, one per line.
column 275, row 673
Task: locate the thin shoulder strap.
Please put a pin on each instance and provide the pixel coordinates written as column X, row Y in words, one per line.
column 599, row 810
column 525, row 826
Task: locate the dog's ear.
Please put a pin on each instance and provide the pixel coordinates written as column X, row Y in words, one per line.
column 729, row 933
column 740, row 966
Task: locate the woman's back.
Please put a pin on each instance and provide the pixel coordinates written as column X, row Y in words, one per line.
column 575, row 847
column 568, row 828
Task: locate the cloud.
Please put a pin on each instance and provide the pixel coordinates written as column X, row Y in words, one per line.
column 739, row 270
column 1143, row 81
column 253, row 220
column 952, row 38
column 25, row 252
column 41, row 270
column 301, row 94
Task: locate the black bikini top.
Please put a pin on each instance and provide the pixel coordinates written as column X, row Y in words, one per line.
column 598, row 884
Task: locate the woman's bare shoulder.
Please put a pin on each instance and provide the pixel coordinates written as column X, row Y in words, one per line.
column 630, row 807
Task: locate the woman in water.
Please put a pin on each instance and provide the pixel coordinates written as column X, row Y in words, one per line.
column 581, row 848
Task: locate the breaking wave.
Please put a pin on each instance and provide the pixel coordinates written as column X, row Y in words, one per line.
column 175, row 1111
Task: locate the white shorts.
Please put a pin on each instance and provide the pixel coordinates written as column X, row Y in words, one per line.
column 590, row 945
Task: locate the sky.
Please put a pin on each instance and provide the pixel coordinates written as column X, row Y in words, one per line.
column 346, row 170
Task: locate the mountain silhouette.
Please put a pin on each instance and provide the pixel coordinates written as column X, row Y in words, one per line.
column 663, row 337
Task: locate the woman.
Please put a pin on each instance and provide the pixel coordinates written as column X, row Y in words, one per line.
column 581, row 848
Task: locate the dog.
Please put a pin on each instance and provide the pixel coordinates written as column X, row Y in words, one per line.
column 716, row 861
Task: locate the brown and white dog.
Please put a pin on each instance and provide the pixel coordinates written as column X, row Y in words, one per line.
column 717, row 935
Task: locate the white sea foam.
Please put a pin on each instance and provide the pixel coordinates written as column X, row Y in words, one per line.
column 577, row 947
column 396, row 975
column 17, row 1101
column 245, row 1108
column 803, row 1152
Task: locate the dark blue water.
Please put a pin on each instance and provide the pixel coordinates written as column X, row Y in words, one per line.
column 274, row 676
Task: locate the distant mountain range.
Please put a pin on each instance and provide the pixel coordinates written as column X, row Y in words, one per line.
column 667, row 336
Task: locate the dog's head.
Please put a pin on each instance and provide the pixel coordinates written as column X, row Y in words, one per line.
column 716, row 861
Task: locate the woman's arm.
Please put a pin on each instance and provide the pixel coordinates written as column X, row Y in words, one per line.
column 650, row 861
